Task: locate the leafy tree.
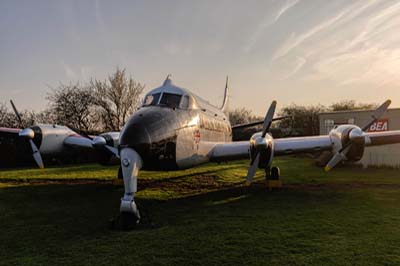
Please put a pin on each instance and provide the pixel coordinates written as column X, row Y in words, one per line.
column 116, row 98
column 305, row 120
column 348, row 105
column 242, row 116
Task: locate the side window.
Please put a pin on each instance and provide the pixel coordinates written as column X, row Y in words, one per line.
column 185, row 102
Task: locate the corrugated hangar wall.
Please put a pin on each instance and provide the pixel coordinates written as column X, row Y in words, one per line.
column 388, row 155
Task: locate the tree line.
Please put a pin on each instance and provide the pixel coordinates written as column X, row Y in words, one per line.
column 96, row 106
column 304, row 118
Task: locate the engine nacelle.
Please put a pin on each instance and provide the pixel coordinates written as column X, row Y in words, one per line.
column 263, row 145
column 342, row 135
column 50, row 138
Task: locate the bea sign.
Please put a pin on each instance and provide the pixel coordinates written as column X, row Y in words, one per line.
column 379, row 125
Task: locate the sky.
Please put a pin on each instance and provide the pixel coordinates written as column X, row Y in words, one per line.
column 292, row 51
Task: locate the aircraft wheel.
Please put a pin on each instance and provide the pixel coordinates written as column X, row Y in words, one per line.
column 275, row 173
column 126, row 221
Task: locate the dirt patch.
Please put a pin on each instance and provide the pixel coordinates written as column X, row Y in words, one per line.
column 186, row 185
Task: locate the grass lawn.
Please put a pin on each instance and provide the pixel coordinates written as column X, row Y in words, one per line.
column 202, row 216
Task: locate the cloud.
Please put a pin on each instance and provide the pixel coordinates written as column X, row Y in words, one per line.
column 267, row 22
column 298, row 63
column 376, row 24
column 295, row 40
column 362, row 53
column 284, row 9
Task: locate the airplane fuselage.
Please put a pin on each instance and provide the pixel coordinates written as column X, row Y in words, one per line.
column 175, row 137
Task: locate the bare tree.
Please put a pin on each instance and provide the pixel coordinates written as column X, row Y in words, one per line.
column 72, row 105
column 3, row 115
column 45, row 117
column 116, row 98
column 9, row 119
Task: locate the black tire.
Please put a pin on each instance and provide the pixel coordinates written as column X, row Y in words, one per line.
column 128, row 220
column 275, row 173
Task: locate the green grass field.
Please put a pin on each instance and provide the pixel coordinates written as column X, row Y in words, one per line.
column 202, row 216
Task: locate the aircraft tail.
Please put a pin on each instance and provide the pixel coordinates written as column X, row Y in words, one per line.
column 225, row 104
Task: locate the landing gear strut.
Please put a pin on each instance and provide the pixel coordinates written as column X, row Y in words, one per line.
column 130, row 165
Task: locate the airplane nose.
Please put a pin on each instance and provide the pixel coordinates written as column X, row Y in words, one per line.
column 148, row 127
column 136, row 136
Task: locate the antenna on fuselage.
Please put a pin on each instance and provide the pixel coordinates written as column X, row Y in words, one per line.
column 167, row 80
column 225, row 103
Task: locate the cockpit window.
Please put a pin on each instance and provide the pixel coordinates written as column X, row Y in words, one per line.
column 170, row 99
column 151, row 99
column 185, row 102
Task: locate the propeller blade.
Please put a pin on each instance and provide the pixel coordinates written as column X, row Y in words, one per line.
column 112, row 150
column 101, row 142
column 377, row 114
column 16, row 114
column 36, row 155
column 268, row 118
column 253, row 168
column 337, row 158
column 80, row 132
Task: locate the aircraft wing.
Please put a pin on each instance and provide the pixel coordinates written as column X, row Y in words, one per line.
column 77, row 141
column 108, row 141
column 382, row 138
column 284, row 146
column 5, row 130
column 256, row 123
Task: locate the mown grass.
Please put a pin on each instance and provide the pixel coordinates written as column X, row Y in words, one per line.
column 203, row 216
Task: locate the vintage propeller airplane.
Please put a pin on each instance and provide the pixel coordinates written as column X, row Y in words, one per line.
column 176, row 129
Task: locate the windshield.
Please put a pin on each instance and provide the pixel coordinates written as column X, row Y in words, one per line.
column 171, row 100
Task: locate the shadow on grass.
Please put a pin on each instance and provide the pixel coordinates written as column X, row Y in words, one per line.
column 69, row 221
column 85, row 209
